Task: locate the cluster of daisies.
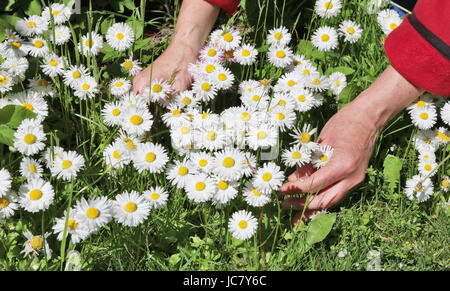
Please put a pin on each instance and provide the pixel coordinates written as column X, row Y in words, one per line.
column 388, row 20
column 425, row 113
column 326, row 38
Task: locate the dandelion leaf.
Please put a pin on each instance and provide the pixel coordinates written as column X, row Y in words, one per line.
column 392, row 166
column 319, row 228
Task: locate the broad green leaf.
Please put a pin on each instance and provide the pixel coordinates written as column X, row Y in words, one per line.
column 6, row 135
column 345, row 70
column 306, row 48
column 348, row 94
column 34, row 8
column 13, row 115
column 392, row 166
column 137, row 27
column 106, row 24
column 142, row 44
column 319, row 228
column 129, row 4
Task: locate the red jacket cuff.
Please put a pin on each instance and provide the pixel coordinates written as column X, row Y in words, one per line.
column 229, row 6
column 417, row 60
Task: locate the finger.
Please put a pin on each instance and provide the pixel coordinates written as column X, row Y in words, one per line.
column 301, row 172
column 298, row 203
column 303, row 216
column 318, row 180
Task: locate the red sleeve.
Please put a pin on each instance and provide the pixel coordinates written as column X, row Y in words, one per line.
column 229, row 6
column 419, row 49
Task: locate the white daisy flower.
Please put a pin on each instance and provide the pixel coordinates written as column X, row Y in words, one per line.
column 325, row 38
column 229, row 39
column 426, row 156
column 223, row 78
column 53, row 65
column 32, row 25
column 90, row 43
column 350, row 30
column 59, row 12
column 445, row 112
column 159, row 90
column 6, row 82
column 116, row 156
column 15, row 49
column 94, row 213
column 130, row 208
column 280, row 56
column 74, row 74
column 445, row 183
column 86, row 88
column 288, row 82
column 279, row 36
column 179, row 173
column 328, row 8
column 40, row 86
column 303, row 136
column 75, row 228
column 228, row 164
column 31, row 101
column 133, row 67
column 50, row 154
column 120, row 36
column 201, row 161
column 425, row 140
column 150, row 157
column 226, row 191
column 427, row 167
column 111, row 113
column 297, row 61
column 67, row 165
column 137, row 121
column 62, row 35
column 16, row 67
column 31, row 168
column 296, row 156
column 268, row 178
column 210, row 137
column 35, row 244
column 282, row 117
column 303, row 98
column 262, row 135
column 200, row 188
column 246, row 54
column 321, row 156
column 337, row 82
column 36, row 195
column 8, row 204
column 128, row 142
column 211, row 53
column 120, row 86
column 204, row 90
column 242, row 225
column 389, row 23
column 257, row 99
column 424, row 118
column 416, row 189
column 249, row 165
column 253, row 197
column 30, row 137
column 156, row 196
column 5, row 181
column 182, row 134
column 186, row 99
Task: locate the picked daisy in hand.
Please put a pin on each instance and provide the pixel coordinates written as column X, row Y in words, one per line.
column 130, row 208
column 296, row 156
column 321, row 156
column 120, row 36
column 36, row 195
column 242, row 225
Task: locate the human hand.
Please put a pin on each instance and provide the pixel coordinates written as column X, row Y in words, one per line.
column 352, row 136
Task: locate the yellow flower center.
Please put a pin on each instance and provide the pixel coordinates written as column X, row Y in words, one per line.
column 316, row 81
column 130, row 207
column 28, row 106
column 280, row 116
column 350, row 30
column 229, row 54
column 206, row 86
column 3, row 202
column 119, row 36
column 43, row 83
column 256, row 98
column 186, row 100
column 262, row 134
column 444, row 183
column 36, row 243
column 116, row 112
column 32, row 168
column 328, row 5
column 203, row 163
column 211, row 135
column 325, row 37
column 228, row 37
column 281, row 54
column 35, row 194
column 301, row 98
column 31, row 24
column 29, row 138
column 38, row 43
column 306, row 72
column 16, row 44
column 424, row 116
column 393, row 26
column 182, row 171
column 119, row 84
column 72, row 224
column 256, row 192
column 92, row 213
column 222, row 77
column 116, row 154
column 324, row 158
column 228, row 162
column 156, row 88
column 337, row 83
column 212, row 52
column 205, row 115
column 245, row 116
column 296, row 155
column 305, row 137
column 150, row 157
column 245, row 53
column 264, row 82
column 128, row 65
column 200, row 186
column 76, row 75
column 56, row 12
column 154, row 196
column 223, row 185
column 66, row 164
column 291, row 83
column 267, row 177
column 427, row 167
column 53, row 63
column 136, row 120
column 282, row 103
column 85, row 87
column 185, row 130
column 278, row 36
column 3, row 80
column 210, row 68
column 242, row 224
column 89, row 43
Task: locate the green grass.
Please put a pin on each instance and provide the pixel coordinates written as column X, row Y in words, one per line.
column 188, row 236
